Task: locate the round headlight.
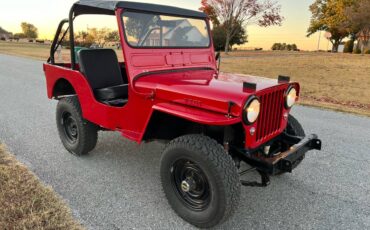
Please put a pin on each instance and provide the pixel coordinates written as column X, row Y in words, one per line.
column 252, row 110
column 291, row 97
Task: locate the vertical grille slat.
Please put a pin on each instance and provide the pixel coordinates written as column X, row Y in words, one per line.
column 274, row 112
column 277, row 108
column 272, row 103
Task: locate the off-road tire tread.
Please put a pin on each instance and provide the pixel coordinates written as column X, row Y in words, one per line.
column 88, row 132
column 296, row 126
column 225, row 166
column 293, row 128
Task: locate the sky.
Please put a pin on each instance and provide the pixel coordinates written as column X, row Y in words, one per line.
column 46, row 14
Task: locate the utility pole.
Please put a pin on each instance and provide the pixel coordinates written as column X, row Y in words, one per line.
column 318, row 43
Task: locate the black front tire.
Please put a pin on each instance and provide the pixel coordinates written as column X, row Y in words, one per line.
column 294, row 127
column 211, row 177
column 78, row 135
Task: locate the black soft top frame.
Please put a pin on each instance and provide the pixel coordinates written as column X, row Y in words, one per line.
column 109, row 7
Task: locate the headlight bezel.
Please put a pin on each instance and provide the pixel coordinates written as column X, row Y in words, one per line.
column 288, row 91
column 247, row 104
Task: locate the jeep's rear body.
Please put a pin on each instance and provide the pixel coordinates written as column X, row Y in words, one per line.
column 178, row 82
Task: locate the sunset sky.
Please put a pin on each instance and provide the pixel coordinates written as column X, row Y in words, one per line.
column 46, row 14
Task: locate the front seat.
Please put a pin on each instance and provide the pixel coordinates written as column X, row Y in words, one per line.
column 102, row 71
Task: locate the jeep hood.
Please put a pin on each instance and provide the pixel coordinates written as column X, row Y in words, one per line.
column 202, row 88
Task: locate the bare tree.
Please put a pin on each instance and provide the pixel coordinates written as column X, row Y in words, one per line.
column 233, row 13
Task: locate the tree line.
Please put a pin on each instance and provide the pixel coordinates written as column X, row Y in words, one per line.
column 29, row 31
column 95, row 36
column 342, row 19
column 284, row 46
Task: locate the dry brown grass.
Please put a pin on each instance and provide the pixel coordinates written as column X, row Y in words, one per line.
column 31, row 50
column 26, row 203
column 335, row 81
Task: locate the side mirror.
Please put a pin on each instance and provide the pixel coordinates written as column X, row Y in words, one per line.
column 218, row 55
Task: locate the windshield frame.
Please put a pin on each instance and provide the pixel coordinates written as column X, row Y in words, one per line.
column 165, row 47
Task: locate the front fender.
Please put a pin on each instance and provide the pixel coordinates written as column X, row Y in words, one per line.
column 196, row 115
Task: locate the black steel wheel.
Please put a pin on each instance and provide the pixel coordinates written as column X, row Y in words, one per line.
column 200, row 180
column 77, row 135
column 70, row 127
column 191, row 184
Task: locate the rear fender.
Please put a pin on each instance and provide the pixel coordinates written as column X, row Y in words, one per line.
column 81, row 87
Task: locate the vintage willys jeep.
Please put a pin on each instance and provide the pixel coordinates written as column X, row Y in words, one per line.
column 169, row 88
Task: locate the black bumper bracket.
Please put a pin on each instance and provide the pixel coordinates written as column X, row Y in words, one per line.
column 286, row 161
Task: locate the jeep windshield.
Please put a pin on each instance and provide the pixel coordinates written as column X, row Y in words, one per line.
column 150, row 30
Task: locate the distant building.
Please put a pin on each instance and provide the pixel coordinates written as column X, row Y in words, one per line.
column 341, row 47
column 5, row 34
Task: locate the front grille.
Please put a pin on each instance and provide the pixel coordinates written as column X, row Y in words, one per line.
column 272, row 103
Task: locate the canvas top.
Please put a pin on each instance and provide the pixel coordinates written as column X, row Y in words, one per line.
column 109, row 7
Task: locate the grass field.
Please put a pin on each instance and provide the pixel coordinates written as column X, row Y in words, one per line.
column 25, row 203
column 335, row 81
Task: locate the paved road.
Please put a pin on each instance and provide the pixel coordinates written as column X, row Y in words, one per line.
column 117, row 185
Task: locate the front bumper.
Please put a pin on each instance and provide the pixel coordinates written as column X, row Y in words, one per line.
column 285, row 161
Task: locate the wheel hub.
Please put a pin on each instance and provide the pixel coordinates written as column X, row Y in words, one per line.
column 185, row 186
column 191, row 184
column 70, row 127
column 188, row 185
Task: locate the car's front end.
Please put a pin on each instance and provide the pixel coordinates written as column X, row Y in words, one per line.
column 248, row 115
column 268, row 144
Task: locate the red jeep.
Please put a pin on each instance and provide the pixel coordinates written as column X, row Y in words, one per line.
column 169, row 88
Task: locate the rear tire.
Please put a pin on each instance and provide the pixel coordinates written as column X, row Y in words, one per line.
column 200, row 180
column 78, row 135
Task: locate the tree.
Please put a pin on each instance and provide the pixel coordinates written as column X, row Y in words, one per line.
column 82, row 35
column 219, row 37
column 137, row 26
column 29, row 30
column 210, row 11
column 359, row 20
column 330, row 16
column 97, row 36
column 233, row 13
column 348, row 47
column 18, row 36
column 294, row 47
column 112, row 36
column 276, row 46
column 284, row 46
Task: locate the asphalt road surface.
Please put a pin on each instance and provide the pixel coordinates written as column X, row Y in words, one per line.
column 117, row 186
